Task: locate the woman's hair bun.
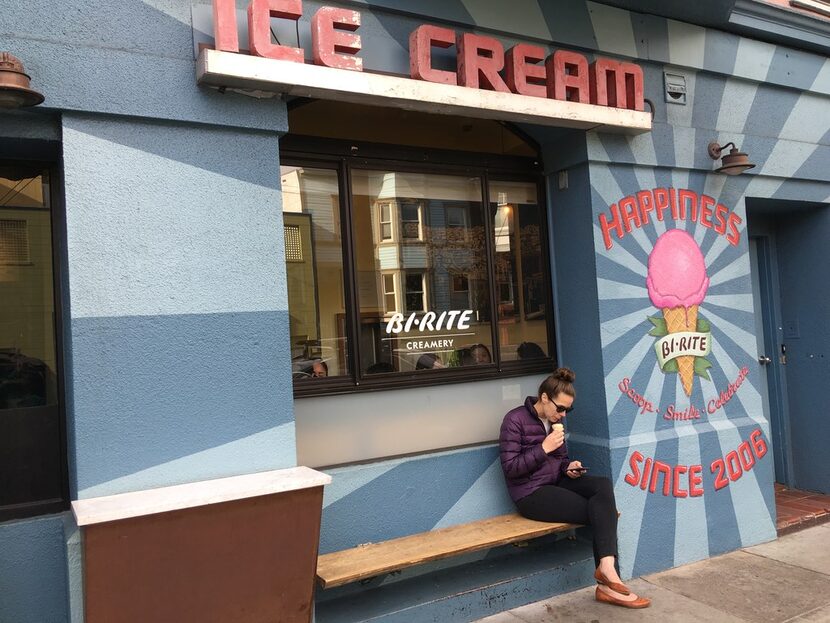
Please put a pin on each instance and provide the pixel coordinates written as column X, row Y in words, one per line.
column 564, row 374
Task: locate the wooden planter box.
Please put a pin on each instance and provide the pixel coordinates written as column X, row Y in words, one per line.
column 240, row 549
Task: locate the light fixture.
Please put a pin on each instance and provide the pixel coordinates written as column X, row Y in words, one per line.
column 15, row 89
column 733, row 164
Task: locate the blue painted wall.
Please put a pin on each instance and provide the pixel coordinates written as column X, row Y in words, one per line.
column 125, row 58
column 390, row 499
column 175, row 274
column 578, row 329
column 174, row 270
column 174, row 237
column 660, row 529
column 33, row 586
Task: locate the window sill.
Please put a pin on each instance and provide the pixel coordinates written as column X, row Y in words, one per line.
column 32, row 510
column 422, row 378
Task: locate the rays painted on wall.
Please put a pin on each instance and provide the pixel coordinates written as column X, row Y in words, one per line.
column 651, row 412
column 660, row 531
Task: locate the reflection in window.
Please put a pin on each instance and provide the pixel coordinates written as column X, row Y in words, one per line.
column 27, row 334
column 385, row 221
column 389, row 293
column 314, row 268
column 440, row 261
column 414, row 292
column 30, row 437
column 520, row 270
column 460, row 293
column 411, row 220
column 456, row 216
column 14, row 242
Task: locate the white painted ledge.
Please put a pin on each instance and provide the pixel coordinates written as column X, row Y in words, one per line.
column 252, row 73
column 190, row 495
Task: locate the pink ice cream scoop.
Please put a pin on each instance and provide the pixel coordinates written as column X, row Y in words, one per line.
column 676, row 271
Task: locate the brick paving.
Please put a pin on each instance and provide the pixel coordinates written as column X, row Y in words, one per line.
column 797, row 510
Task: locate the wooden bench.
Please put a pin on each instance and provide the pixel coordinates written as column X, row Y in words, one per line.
column 373, row 559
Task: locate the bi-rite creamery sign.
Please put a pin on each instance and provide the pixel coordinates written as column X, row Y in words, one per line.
column 523, row 83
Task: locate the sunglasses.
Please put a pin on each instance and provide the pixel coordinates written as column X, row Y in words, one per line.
column 561, row 409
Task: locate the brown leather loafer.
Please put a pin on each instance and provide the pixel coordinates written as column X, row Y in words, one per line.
column 640, row 602
column 622, row 589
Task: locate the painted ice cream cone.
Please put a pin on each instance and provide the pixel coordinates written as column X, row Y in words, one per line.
column 680, row 319
column 677, row 284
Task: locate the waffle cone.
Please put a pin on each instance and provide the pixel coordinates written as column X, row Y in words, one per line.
column 683, row 319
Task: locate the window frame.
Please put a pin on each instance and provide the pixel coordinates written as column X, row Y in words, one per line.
column 393, row 292
column 453, row 291
column 418, row 205
column 45, row 155
column 412, row 272
column 348, row 156
column 389, row 205
column 465, row 219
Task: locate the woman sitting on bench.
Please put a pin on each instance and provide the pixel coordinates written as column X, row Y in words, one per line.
column 546, row 485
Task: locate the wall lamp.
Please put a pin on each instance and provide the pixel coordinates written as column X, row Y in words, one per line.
column 733, row 164
column 15, row 88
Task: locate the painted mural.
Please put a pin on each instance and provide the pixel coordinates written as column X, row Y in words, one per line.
column 688, row 436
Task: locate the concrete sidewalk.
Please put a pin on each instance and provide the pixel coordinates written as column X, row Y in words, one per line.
column 785, row 580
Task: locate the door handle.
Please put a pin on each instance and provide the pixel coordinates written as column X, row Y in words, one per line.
column 764, row 360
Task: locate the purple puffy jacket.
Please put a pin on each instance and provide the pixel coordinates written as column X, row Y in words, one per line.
column 525, row 464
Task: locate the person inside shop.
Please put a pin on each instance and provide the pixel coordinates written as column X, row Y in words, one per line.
column 428, row 361
column 530, row 350
column 381, row 367
column 319, row 369
column 474, row 355
column 546, row 485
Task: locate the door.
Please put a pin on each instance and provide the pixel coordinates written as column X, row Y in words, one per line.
column 764, row 292
column 791, row 299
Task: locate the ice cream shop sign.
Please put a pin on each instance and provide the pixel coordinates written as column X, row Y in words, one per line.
column 523, row 83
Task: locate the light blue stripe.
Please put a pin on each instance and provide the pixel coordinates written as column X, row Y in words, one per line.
column 691, row 538
column 171, row 220
column 410, row 498
column 255, row 453
column 150, row 390
column 485, row 498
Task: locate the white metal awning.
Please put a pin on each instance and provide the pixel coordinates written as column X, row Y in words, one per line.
column 253, row 73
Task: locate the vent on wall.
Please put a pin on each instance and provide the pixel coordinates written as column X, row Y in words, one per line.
column 675, row 88
column 14, row 242
column 293, row 244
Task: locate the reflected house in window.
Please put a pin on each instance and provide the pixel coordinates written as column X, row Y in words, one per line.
column 418, row 244
column 314, row 268
column 428, row 256
column 520, row 271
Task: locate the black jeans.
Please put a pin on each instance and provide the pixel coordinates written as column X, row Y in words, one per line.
column 587, row 500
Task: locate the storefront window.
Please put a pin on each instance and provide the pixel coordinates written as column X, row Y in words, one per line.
column 314, row 269
column 521, row 279
column 31, row 446
column 439, row 258
column 410, row 266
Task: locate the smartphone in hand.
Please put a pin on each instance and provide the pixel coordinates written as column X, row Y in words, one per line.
column 579, row 470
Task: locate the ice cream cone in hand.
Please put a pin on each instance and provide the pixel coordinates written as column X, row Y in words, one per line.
column 677, row 284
